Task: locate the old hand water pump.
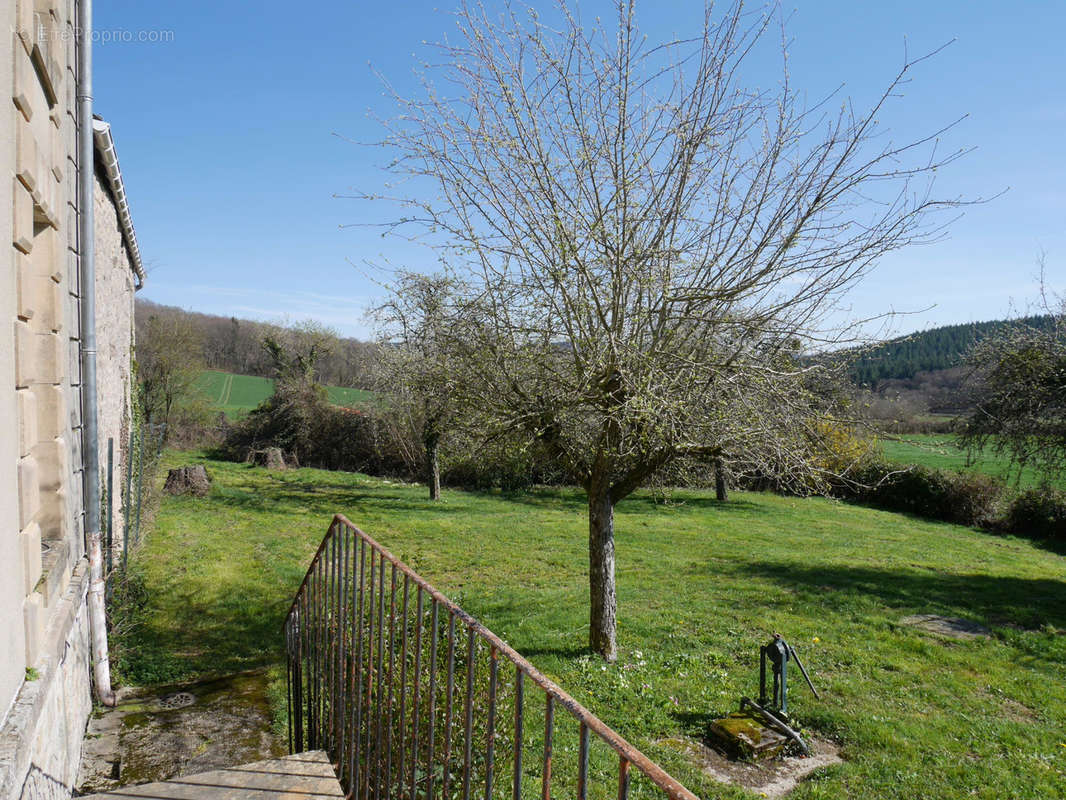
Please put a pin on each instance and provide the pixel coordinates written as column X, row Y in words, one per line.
column 763, row 729
column 778, row 653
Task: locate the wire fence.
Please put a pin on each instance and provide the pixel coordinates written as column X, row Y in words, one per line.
column 413, row 698
column 134, row 481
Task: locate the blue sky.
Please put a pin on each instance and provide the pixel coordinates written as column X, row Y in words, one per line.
column 233, row 129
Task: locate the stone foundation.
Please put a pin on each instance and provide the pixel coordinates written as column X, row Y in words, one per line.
column 41, row 740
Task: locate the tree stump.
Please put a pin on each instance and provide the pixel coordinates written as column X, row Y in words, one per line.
column 188, row 480
column 269, row 457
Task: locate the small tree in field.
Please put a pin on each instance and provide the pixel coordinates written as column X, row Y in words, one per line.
column 649, row 246
column 414, row 373
column 169, row 362
column 1018, row 396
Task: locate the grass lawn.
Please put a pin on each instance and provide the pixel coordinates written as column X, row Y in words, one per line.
column 235, row 395
column 939, row 451
column 701, row 586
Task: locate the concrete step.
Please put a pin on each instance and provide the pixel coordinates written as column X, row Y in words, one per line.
column 304, row 776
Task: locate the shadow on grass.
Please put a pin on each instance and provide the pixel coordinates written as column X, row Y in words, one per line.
column 235, row 629
column 574, row 500
column 1028, row 603
column 327, row 502
column 565, row 653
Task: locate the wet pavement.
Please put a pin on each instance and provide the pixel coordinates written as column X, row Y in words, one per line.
column 165, row 732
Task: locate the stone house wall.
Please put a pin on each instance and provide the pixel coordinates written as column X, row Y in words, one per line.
column 114, row 326
column 45, row 677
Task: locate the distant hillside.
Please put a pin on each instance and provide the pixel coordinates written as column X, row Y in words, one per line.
column 236, row 395
column 236, row 345
column 927, row 351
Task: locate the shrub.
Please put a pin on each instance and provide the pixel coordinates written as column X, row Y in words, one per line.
column 966, row 498
column 313, row 433
column 1039, row 513
column 506, row 464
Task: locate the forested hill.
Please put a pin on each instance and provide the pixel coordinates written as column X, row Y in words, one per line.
column 236, row 345
column 927, row 351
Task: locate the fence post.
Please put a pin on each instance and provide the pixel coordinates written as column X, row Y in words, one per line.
column 110, row 506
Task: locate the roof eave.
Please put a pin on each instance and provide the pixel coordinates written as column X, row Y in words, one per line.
column 105, row 151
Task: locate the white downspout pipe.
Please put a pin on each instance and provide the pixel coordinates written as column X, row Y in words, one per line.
column 90, row 434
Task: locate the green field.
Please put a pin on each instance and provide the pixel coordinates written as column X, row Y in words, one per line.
column 939, row 451
column 236, row 395
column 701, row 585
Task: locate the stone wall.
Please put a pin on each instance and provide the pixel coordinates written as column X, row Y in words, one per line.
column 38, row 270
column 114, row 331
column 40, row 747
column 45, row 673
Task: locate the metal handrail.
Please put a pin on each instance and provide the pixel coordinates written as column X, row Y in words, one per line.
column 324, row 610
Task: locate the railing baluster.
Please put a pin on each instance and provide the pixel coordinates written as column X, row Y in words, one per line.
column 468, row 716
column 490, row 745
column 519, row 679
column 402, row 773
column 288, row 679
column 623, row 778
column 333, row 648
column 392, row 663
column 317, row 718
column 351, row 700
column 356, row 760
column 367, row 711
column 320, row 654
column 414, row 694
column 583, row 763
column 301, row 671
column 380, row 668
column 448, row 704
column 342, row 654
column 549, row 730
column 432, row 698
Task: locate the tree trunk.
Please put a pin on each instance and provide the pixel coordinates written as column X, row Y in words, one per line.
column 721, row 488
column 433, row 467
column 604, row 604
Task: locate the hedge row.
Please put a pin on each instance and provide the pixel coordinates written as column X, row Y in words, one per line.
column 965, row 498
column 313, row 433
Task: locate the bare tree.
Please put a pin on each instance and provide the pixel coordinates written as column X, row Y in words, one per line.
column 651, row 247
column 414, row 373
column 297, row 350
column 169, row 362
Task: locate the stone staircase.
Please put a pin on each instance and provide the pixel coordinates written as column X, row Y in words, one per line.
column 304, row 776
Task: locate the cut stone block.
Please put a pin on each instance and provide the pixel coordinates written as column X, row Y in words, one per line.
column 950, row 627
column 24, row 299
column 744, row 735
column 24, row 354
column 52, row 358
column 24, row 24
column 303, row 775
column 29, row 490
column 22, row 220
column 51, row 411
column 27, row 421
column 33, row 616
column 27, row 157
column 30, row 551
column 26, row 84
column 51, row 457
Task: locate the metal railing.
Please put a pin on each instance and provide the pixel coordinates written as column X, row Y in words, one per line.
column 414, row 699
